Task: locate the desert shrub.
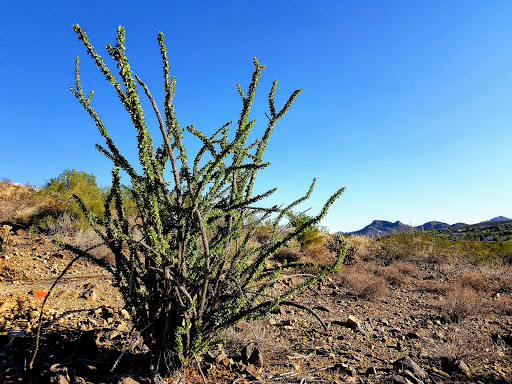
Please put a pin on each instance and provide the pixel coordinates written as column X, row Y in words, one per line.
column 486, row 252
column 400, row 245
column 336, row 242
column 311, row 235
column 461, row 302
column 393, row 275
column 7, row 240
column 72, row 182
column 464, row 345
column 362, row 283
column 477, row 279
column 287, row 255
column 406, row 268
column 20, row 204
column 264, row 232
column 192, row 275
column 504, row 279
column 365, row 248
column 435, row 285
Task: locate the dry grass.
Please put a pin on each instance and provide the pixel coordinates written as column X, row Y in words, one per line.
column 20, row 202
column 393, row 275
column 263, row 233
column 461, row 302
column 435, row 286
column 362, row 283
column 288, row 255
column 477, row 279
column 265, row 336
column 407, row 268
column 504, row 279
column 501, row 306
column 365, row 247
column 465, row 346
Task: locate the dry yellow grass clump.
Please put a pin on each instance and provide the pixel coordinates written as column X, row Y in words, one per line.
column 20, row 202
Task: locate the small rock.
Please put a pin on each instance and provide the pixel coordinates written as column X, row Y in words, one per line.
column 220, row 357
column 21, row 233
column 353, row 322
column 412, row 335
column 278, row 311
column 90, row 295
column 39, row 293
column 252, row 355
column 227, row 362
column 413, row 379
column 252, row 370
column 345, row 368
column 241, row 327
column 6, row 305
column 463, row 368
column 61, row 294
column 59, row 374
column 406, row 363
column 397, row 379
column 371, row 371
column 128, row 380
column 122, row 327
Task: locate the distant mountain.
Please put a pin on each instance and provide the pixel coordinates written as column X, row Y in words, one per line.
column 499, row 218
column 433, row 225
column 379, row 228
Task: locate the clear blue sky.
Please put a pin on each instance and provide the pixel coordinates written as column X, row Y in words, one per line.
column 406, row 103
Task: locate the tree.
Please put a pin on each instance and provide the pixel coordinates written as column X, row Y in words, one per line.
column 72, row 182
column 193, row 274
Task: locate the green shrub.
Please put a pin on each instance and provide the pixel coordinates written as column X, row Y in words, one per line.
column 72, row 182
column 312, row 233
column 192, row 274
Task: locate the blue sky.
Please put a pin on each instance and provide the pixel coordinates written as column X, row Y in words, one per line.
column 406, row 103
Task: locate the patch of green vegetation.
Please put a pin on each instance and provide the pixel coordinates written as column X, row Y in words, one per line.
column 437, row 245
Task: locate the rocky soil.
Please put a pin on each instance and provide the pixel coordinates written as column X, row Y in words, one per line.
column 415, row 328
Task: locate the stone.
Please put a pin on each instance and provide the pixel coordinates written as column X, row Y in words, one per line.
column 353, row 322
column 463, row 368
column 413, row 379
column 39, row 293
column 128, row 380
column 252, row 370
column 125, row 314
column 59, row 374
column 397, row 379
column 412, row 335
column 371, row 371
column 241, row 327
column 220, row 357
column 252, row 355
column 406, row 363
column 345, row 368
column 90, row 295
column 7, row 305
column 61, row 294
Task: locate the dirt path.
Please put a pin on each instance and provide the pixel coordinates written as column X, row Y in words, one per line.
column 11, row 285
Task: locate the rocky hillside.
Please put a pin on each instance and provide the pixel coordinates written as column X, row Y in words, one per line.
column 377, row 321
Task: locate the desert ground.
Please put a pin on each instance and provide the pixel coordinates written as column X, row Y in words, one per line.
column 379, row 321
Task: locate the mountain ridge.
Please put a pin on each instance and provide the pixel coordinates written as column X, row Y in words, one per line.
column 378, row 228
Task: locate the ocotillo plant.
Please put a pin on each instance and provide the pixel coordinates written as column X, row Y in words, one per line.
column 194, row 273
